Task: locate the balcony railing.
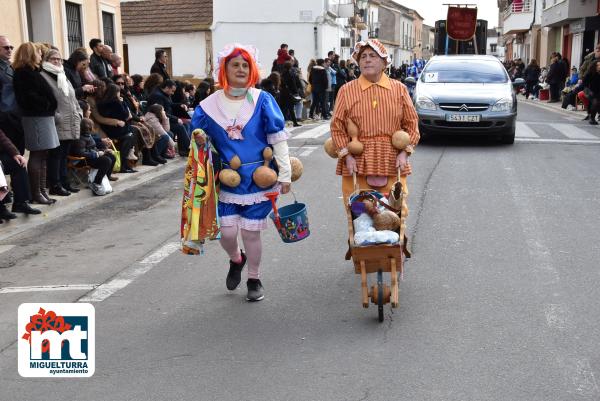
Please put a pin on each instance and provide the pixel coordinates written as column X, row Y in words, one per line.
column 517, row 7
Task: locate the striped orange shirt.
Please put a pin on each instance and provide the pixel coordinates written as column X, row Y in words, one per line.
column 378, row 109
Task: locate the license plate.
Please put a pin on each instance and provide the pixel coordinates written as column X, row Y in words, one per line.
column 467, row 118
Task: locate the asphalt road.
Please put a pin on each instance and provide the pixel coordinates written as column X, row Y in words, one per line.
column 497, row 303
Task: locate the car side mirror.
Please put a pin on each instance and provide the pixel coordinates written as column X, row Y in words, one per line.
column 410, row 81
column 519, row 82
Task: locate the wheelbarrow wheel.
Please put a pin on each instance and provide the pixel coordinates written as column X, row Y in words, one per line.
column 380, row 299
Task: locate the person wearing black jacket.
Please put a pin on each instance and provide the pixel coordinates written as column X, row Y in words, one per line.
column 76, row 64
column 160, row 64
column 111, row 106
column 554, row 78
column 532, row 76
column 162, row 95
column 318, row 81
column 98, row 64
column 38, row 106
column 591, row 85
column 289, row 93
column 13, row 164
column 101, row 159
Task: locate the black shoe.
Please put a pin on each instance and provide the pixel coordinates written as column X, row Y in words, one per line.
column 5, row 214
column 70, row 188
column 24, row 208
column 160, row 159
column 255, row 290
column 128, row 170
column 297, row 125
column 59, row 190
column 235, row 273
column 593, row 122
column 586, row 118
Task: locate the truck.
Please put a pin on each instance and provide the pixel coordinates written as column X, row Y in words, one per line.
column 460, row 47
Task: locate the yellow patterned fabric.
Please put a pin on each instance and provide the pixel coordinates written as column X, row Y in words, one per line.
column 199, row 216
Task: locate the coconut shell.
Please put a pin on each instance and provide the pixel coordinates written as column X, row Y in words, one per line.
column 386, row 220
column 268, row 153
column 297, row 168
column 264, row 177
column 330, row 149
column 235, row 162
column 400, row 139
column 229, row 177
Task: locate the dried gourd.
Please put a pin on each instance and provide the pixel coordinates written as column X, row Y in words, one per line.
column 297, row 168
column 235, row 162
column 355, row 147
column 330, row 149
column 264, row 176
column 400, row 139
column 386, row 220
column 230, row 177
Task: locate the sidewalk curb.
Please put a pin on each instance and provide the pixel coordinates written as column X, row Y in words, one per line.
column 84, row 198
column 549, row 107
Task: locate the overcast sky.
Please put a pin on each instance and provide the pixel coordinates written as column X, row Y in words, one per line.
column 433, row 10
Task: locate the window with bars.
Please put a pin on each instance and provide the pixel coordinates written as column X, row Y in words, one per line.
column 108, row 26
column 74, row 34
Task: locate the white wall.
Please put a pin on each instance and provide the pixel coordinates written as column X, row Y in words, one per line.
column 188, row 52
column 267, row 24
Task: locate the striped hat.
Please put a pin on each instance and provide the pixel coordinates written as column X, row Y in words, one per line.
column 375, row 45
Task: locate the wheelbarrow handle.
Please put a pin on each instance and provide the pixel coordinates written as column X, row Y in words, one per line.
column 272, row 197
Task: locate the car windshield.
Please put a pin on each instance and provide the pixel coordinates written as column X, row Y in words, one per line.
column 488, row 72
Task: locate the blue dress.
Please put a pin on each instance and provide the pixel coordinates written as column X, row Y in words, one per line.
column 262, row 125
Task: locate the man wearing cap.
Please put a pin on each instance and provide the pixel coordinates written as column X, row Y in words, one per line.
column 379, row 106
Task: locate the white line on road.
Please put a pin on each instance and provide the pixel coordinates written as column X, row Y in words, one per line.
column 523, row 131
column 569, row 141
column 313, row 133
column 573, row 132
column 48, row 288
column 124, row 278
column 308, row 150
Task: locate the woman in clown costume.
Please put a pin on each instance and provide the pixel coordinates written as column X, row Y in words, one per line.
column 242, row 121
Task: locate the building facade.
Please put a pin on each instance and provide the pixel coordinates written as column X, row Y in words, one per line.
column 67, row 25
column 534, row 29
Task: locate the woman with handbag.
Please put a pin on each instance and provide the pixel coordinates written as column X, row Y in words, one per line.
column 38, row 107
column 378, row 107
column 101, row 159
column 112, row 106
column 246, row 127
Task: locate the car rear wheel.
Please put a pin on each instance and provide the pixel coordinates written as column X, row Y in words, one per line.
column 508, row 138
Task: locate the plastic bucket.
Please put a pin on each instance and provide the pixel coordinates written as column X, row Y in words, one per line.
column 291, row 222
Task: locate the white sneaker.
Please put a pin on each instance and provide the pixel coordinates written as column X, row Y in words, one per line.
column 97, row 189
column 131, row 155
column 570, row 107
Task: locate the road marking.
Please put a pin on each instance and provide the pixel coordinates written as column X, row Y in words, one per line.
column 523, row 131
column 569, row 141
column 308, row 150
column 313, row 132
column 127, row 276
column 49, row 288
column 573, row 132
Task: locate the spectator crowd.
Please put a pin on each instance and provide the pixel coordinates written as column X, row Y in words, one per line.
column 63, row 116
column 571, row 87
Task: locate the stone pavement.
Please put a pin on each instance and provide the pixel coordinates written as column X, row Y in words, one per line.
column 67, row 204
